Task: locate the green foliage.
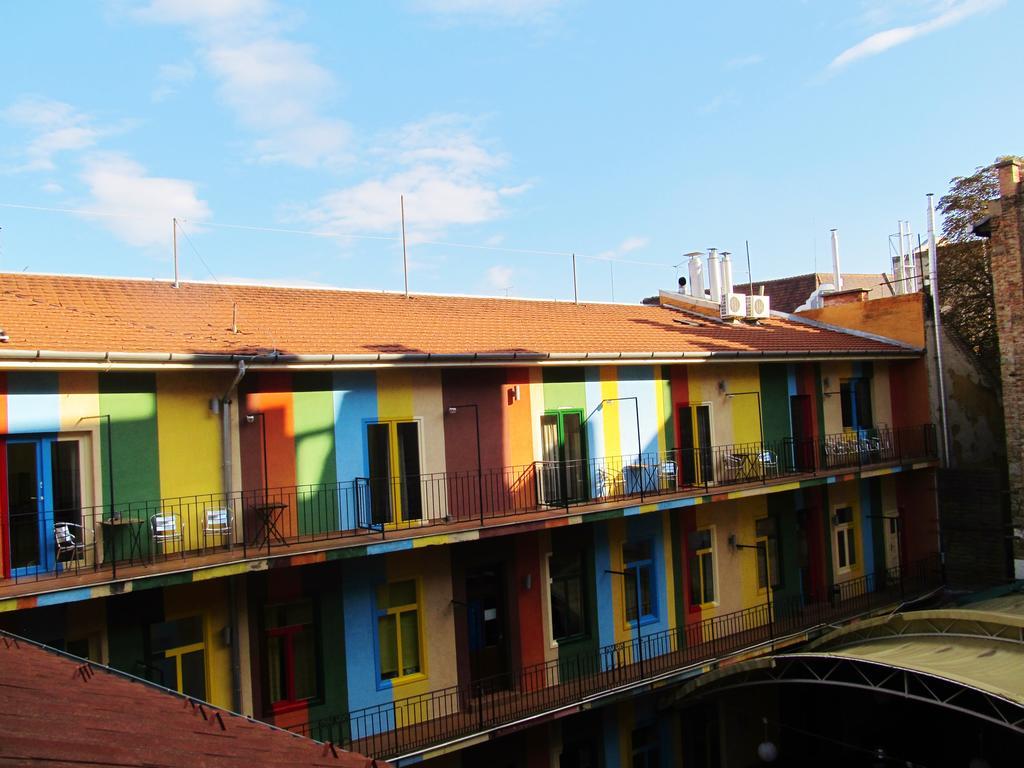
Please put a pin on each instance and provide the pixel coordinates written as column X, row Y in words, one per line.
column 965, row 279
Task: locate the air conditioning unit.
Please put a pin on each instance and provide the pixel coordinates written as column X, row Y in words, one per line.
column 758, row 307
column 732, row 306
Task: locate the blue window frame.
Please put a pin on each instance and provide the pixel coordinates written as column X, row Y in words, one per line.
column 638, row 564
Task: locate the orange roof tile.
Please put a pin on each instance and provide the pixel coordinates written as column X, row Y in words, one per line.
column 58, row 710
column 97, row 315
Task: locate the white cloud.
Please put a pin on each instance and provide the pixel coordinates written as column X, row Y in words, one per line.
column 273, row 84
column 445, row 173
column 514, row 11
column 171, row 78
column 135, row 206
column 201, row 11
column 633, row 244
column 500, row 277
column 947, row 13
column 741, row 62
column 52, row 187
column 56, row 127
column 630, row 244
column 275, row 87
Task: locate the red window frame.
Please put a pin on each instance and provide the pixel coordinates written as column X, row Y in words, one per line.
column 287, row 634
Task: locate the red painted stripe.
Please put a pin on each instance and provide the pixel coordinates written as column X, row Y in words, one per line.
column 5, row 558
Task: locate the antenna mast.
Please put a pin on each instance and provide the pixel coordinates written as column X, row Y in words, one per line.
column 405, row 257
column 174, row 245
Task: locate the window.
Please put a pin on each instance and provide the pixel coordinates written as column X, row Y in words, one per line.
column 767, row 552
column 566, row 591
column 855, row 395
column 846, row 548
column 646, row 752
column 392, row 445
column 702, row 567
column 291, row 654
column 398, row 629
column 638, row 565
column 178, row 656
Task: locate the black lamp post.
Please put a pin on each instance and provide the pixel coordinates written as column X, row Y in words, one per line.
column 767, row 581
column 639, row 446
column 251, row 418
column 760, row 420
column 639, row 612
column 899, row 543
column 110, row 477
column 452, row 410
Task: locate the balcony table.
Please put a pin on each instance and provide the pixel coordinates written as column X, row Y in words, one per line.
column 120, row 527
column 268, row 515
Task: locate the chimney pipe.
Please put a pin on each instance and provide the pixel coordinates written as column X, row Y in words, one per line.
column 902, row 277
column 837, row 274
column 715, row 275
column 696, row 268
column 726, row 272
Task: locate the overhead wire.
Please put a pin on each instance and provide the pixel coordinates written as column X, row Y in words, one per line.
column 330, row 234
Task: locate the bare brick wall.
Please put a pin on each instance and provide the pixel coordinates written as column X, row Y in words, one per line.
column 1006, row 245
column 975, row 529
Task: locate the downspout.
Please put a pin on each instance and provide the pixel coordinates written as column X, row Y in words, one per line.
column 933, row 279
column 233, row 623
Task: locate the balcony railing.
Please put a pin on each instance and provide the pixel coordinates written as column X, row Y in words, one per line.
column 224, row 527
column 408, row 725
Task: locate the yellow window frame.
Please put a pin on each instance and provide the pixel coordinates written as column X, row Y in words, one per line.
column 397, row 611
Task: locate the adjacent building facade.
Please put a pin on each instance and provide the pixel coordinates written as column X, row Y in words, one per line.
column 441, row 527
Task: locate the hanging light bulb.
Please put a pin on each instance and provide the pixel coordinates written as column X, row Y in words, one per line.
column 766, row 750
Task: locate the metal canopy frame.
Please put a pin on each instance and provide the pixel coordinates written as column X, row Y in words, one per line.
column 844, row 672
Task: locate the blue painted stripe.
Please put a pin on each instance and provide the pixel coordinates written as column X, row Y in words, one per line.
column 355, row 403
column 33, row 402
column 66, row 596
column 389, row 546
column 602, row 562
column 359, row 583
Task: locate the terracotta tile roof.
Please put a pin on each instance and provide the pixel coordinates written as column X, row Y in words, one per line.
column 86, row 314
column 788, row 293
column 57, row 710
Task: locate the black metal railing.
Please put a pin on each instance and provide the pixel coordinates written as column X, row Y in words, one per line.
column 241, row 524
column 418, row 722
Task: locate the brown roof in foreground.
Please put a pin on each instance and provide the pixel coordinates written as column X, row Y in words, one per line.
column 788, row 293
column 58, row 710
column 88, row 314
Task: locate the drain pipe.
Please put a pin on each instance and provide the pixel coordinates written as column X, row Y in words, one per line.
column 233, row 623
column 933, row 279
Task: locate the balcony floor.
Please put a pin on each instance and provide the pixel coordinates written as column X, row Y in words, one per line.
column 91, row 582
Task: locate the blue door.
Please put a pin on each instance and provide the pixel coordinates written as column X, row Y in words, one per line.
column 28, row 488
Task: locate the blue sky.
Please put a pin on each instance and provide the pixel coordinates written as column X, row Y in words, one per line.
column 519, row 131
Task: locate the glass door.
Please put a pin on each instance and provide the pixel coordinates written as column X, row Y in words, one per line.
column 695, row 454
column 378, row 442
column 563, row 445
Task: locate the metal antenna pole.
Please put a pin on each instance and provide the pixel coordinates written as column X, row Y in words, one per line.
column 405, row 257
column 750, row 276
column 575, row 292
column 174, row 245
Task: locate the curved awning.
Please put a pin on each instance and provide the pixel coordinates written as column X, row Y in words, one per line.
column 967, row 659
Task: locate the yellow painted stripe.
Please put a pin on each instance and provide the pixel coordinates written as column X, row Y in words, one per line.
column 610, row 412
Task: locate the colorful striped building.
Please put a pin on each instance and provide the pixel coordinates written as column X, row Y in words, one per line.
column 446, row 528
